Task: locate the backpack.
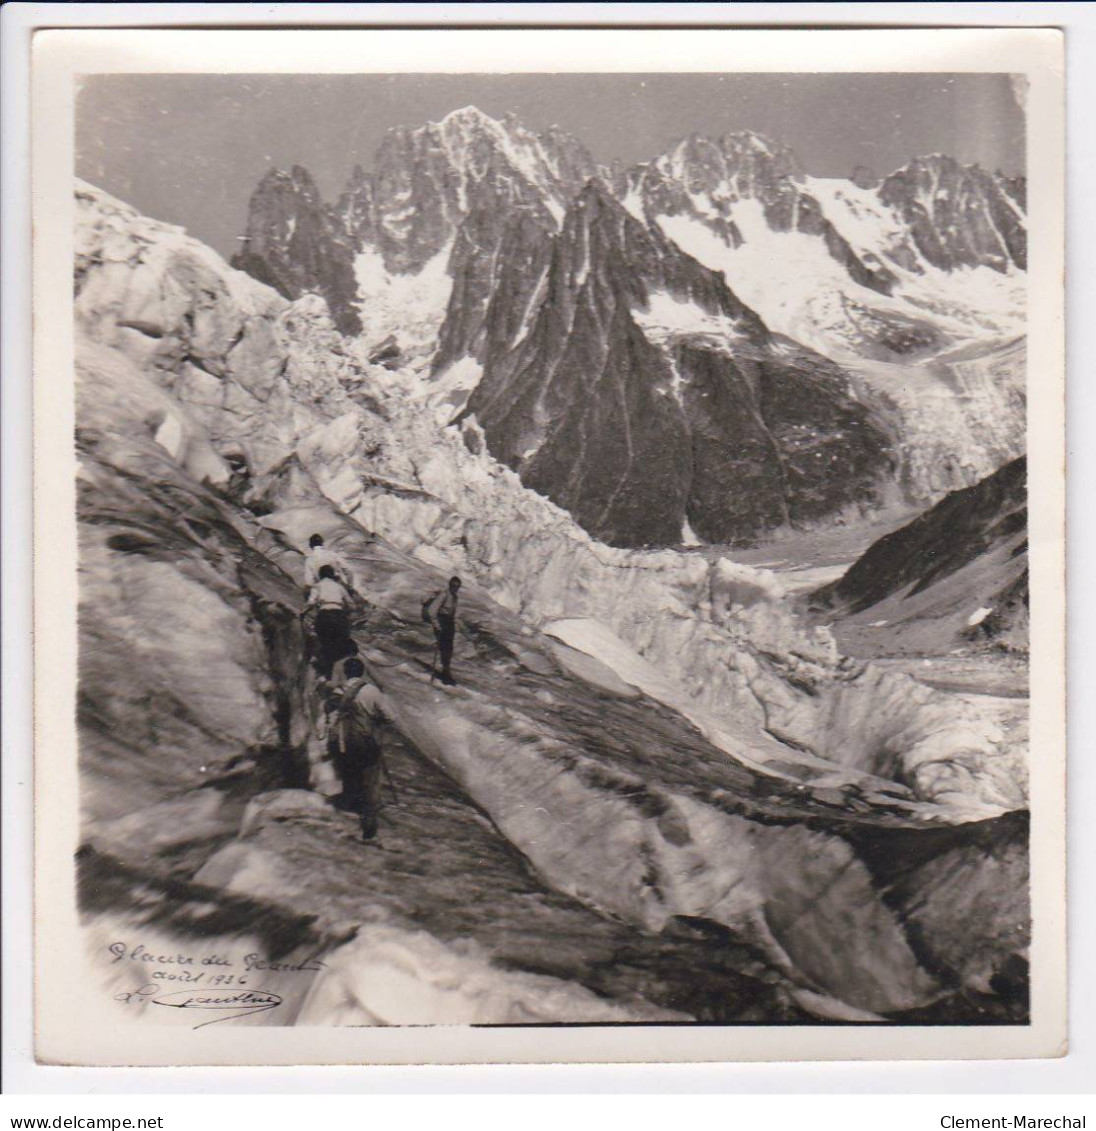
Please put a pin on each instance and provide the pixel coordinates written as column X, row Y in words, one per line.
column 349, row 724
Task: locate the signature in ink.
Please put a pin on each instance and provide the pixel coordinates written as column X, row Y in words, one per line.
column 237, row 1003
column 136, row 995
column 234, row 1003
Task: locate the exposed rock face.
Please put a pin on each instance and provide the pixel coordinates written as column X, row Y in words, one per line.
column 957, row 573
column 645, row 394
column 953, row 533
column 444, row 245
column 960, row 215
column 455, row 189
column 427, row 180
column 499, row 266
column 864, row 178
column 412, row 208
column 1008, row 624
column 296, row 245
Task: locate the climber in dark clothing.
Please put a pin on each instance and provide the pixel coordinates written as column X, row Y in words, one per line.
column 441, row 611
column 332, row 603
column 356, row 714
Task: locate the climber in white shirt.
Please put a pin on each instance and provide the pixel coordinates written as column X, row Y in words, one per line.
column 331, row 602
column 318, row 556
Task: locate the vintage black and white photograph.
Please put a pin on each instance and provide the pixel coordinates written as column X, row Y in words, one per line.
column 553, row 549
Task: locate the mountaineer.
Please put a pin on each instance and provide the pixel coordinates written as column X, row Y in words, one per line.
column 355, row 715
column 318, row 556
column 440, row 612
column 332, row 602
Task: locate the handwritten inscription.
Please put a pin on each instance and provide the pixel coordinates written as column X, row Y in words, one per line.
column 206, row 969
column 213, row 981
column 234, row 1004
column 145, row 991
column 140, row 953
column 243, row 1003
column 257, row 962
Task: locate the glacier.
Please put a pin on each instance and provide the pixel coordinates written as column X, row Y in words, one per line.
column 656, row 756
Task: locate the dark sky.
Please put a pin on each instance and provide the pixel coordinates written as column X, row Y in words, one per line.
column 189, row 149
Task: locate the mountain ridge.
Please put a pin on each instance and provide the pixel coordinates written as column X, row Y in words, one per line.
column 443, row 255
column 957, row 574
column 711, row 433
column 439, row 163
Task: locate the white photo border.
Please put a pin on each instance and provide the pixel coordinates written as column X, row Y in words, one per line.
column 1034, row 52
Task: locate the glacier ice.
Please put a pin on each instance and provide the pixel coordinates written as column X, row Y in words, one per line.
column 710, row 650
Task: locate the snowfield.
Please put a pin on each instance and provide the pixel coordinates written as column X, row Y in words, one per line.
column 970, row 323
column 812, row 298
column 667, row 317
column 410, row 307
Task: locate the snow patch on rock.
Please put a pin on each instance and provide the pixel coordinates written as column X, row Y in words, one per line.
column 666, row 317
column 450, row 389
column 410, row 306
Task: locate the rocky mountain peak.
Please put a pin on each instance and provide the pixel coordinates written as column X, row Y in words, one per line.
column 294, row 244
column 467, row 116
column 740, row 154
column 715, row 184
column 302, row 181
column 297, row 183
column 429, row 180
column 745, row 149
column 958, row 215
column 602, row 243
column 475, row 145
column 355, row 209
column 644, row 396
column 929, row 172
column 864, row 177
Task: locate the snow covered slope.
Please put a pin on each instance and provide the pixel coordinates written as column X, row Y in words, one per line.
column 958, row 415
column 942, row 358
column 932, row 256
column 800, row 290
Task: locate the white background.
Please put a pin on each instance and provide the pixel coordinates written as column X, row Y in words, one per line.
column 1072, row 1074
